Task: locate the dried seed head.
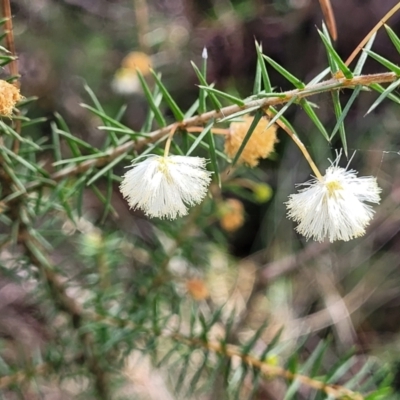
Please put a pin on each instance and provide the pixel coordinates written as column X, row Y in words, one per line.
column 260, row 144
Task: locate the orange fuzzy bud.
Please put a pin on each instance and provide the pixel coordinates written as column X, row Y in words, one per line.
column 197, row 289
column 232, row 215
column 260, row 144
column 9, row 97
column 137, row 60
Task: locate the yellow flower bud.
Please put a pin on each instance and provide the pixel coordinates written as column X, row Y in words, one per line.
column 262, row 192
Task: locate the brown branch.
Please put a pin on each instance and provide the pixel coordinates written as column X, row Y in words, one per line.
column 13, row 65
column 328, row 85
column 228, row 350
column 270, row 371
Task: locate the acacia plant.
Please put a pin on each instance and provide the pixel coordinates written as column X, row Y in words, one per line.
column 146, row 303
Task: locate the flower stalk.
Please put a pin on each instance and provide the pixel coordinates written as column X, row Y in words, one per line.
column 302, row 148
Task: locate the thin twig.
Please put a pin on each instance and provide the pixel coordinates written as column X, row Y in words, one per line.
column 13, row 65
column 302, row 148
column 169, row 140
column 271, row 371
column 382, row 22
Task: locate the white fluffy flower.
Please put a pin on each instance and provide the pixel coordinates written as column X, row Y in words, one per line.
column 334, row 206
column 164, row 186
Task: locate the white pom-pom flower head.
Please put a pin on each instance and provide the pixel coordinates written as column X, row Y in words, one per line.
column 334, row 206
column 164, row 186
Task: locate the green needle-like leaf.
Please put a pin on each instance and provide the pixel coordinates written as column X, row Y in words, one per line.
column 194, row 107
column 335, row 56
column 314, row 118
column 177, row 149
column 196, row 377
column 181, row 377
column 380, row 89
column 216, row 103
column 341, row 367
column 94, row 98
column 383, row 96
column 73, row 142
column 253, row 125
column 388, row 64
column 338, row 112
column 226, row 96
column 292, row 390
column 364, row 56
column 70, row 139
column 31, row 122
column 238, row 114
column 152, row 100
column 263, row 69
column 102, row 114
column 79, row 159
column 340, row 120
column 332, row 63
column 153, row 147
column 22, row 161
column 103, row 171
column 200, row 137
column 280, row 113
column 203, row 94
column 103, row 199
column 107, row 203
column 291, row 78
column 107, row 120
column 257, row 79
column 213, row 156
column 56, row 145
column 10, row 172
column 8, row 130
column 393, row 37
column 178, row 114
column 319, row 77
column 205, row 146
column 246, row 348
